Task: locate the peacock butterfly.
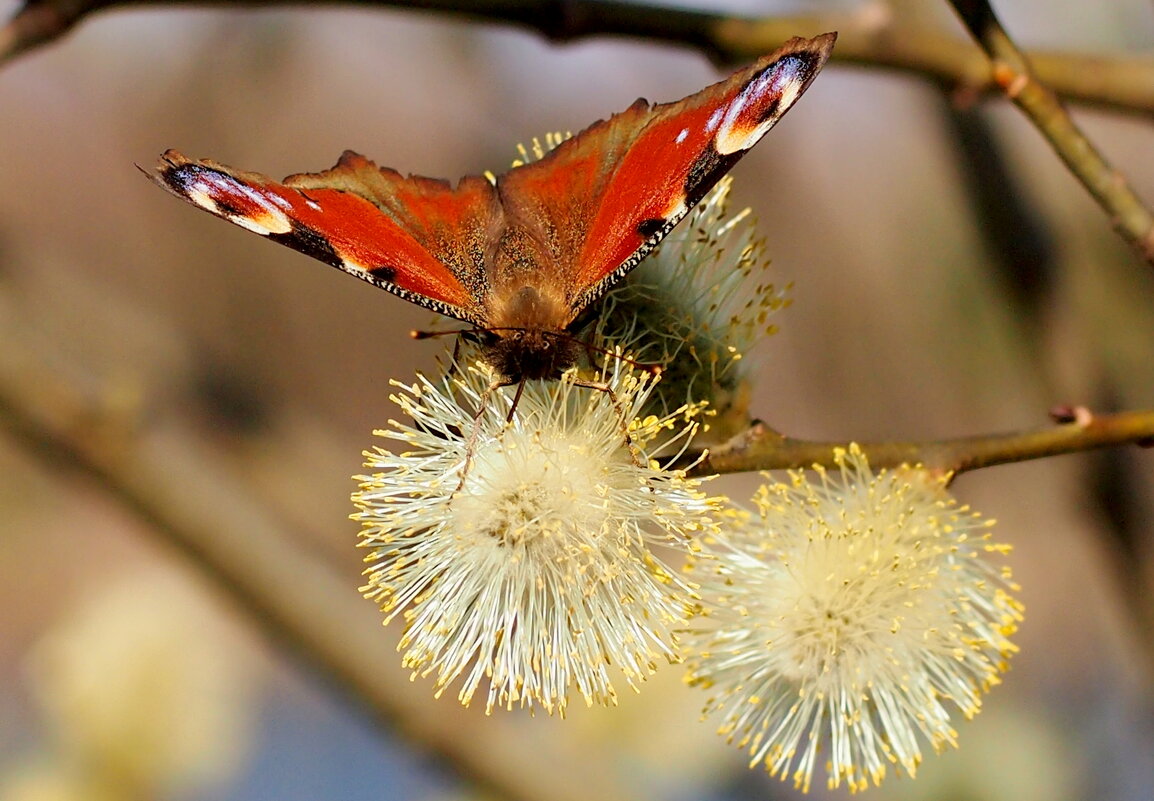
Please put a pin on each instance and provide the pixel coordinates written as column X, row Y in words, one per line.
column 521, row 256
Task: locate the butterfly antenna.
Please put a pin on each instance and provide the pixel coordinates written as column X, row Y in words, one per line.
column 459, row 333
column 648, row 367
column 419, row 334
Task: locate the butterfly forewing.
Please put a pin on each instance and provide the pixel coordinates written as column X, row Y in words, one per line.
column 457, row 226
column 620, row 185
column 519, row 258
column 335, row 217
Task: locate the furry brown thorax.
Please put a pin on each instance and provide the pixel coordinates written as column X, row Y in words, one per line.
column 537, row 345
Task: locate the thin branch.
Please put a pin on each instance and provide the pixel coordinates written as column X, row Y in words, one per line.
column 762, row 448
column 869, row 38
column 1016, row 77
column 180, row 489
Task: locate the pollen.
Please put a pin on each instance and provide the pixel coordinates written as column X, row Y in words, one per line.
column 696, row 306
column 520, row 552
column 861, row 613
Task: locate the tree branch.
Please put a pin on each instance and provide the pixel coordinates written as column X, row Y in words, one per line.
column 762, row 448
column 175, row 485
column 1015, row 76
column 869, row 38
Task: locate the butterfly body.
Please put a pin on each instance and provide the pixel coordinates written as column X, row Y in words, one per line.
column 520, row 257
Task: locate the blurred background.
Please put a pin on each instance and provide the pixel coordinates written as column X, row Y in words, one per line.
column 923, row 307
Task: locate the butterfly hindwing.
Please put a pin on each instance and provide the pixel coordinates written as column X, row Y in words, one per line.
column 616, row 188
column 412, row 236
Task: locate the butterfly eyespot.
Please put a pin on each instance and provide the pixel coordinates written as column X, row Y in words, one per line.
column 218, row 206
column 775, row 90
column 770, row 112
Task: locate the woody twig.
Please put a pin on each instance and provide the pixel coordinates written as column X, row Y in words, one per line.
column 869, row 38
column 762, row 448
column 1013, row 73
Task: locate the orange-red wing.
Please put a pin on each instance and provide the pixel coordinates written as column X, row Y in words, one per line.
column 606, row 197
column 415, row 237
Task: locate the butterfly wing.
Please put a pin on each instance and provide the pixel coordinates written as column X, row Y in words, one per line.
column 585, row 214
column 416, row 237
column 606, row 197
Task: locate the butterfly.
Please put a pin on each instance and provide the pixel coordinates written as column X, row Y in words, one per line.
column 520, row 257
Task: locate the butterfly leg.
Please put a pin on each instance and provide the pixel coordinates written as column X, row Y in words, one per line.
column 464, row 335
column 482, row 405
column 456, row 352
column 516, row 400
column 599, row 386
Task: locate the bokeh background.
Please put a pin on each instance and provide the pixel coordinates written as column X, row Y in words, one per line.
column 911, row 319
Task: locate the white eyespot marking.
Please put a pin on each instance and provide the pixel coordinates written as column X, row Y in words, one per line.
column 273, row 218
column 714, row 120
column 734, row 109
column 197, row 195
column 312, row 204
column 254, row 224
column 784, row 81
column 733, row 140
column 681, row 136
column 789, row 95
column 771, row 94
column 266, row 220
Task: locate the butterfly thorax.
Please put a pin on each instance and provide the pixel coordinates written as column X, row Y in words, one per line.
column 529, row 353
column 528, row 337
